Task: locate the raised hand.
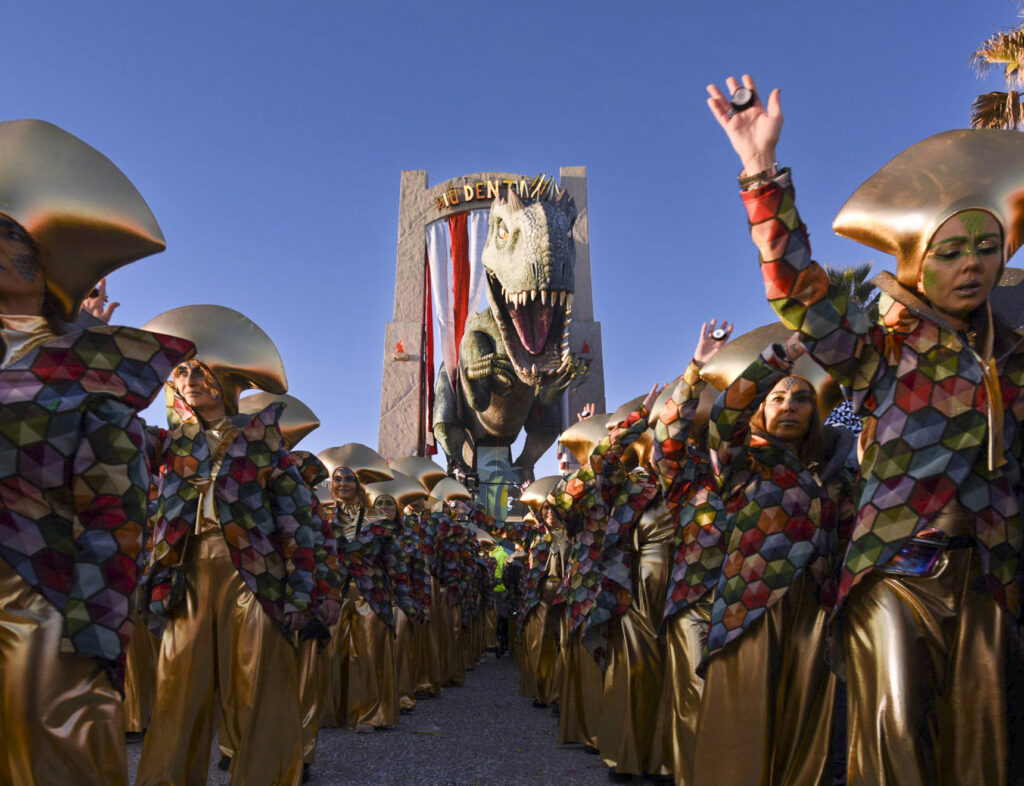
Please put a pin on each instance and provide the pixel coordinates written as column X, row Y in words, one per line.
column 652, row 396
column 754, row 131
column 707, row 344
column 587, row 412
column 96, row 303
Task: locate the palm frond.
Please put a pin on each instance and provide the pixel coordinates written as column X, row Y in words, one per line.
column 1006, row 49
column 998, row 110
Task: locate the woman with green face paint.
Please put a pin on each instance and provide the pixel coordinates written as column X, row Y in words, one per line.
column 929, row 593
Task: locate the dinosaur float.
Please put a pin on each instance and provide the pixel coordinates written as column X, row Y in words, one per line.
column 514, row 358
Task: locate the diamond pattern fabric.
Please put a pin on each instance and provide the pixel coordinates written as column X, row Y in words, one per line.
column 941, row 418
column 73, row 475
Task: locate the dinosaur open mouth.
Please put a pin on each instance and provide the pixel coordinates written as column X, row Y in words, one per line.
column 535, row 327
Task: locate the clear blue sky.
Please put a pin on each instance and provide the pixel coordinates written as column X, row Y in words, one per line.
column 268, row 138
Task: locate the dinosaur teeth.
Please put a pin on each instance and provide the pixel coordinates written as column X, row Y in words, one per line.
column 543, row 297
column 533, row 370
column 533, row 295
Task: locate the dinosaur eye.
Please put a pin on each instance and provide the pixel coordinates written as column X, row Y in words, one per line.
column 502, row 231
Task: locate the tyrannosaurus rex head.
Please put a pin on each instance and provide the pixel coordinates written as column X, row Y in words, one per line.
column 530, row 261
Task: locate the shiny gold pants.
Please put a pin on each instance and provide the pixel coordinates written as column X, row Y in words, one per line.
column 405, row 660
column 580, row 701
column 490, row 628
column 684, row 641
column 140, row 679
column 222, row 642
column 430, row 654
column 371, row 684
column 543, row 633
column 453, row 670
column 632, row 689
column 925, row 668
column 332, row 670
column 766, row 712
column 309, row 697
column 61, row 721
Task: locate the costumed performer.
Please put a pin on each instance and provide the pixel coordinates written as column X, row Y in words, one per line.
column 933, row 566
column 688, row 482
column 73, row 473
column 787, row 492
column 232, row 571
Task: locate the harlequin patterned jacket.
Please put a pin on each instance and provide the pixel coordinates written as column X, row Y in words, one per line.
column 535, row 572
column 626, row 495
column 942, row 419
column 329, row 577
column 73, row 475
column 783, row 516
column 586, row 514
column 691, row 493
column 419, row 572
column 374, row 561
column 262, row 503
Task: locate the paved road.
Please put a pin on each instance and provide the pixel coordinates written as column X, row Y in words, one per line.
column 481, row 733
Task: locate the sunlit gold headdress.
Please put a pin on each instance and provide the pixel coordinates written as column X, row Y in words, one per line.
column 422, row 470
column 367, row 463
column 730, row 361
column 450, row 490
column 296, row 422
column 536, row 493
column 404, row 489
column 582, row 437
column 231, row 345
column 84, row 216
column 898, row 209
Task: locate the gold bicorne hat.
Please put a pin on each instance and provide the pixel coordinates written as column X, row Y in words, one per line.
column 583, row 436
column 730, row 361
column 84, row 216
column 898, row 209
column 450, row 490
column 367, row 463
column 536, row 493
column 230, row 344
column 296, row 422
column 421, row 469
column 403, row 488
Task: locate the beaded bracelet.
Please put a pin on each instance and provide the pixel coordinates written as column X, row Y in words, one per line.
column 746, row 181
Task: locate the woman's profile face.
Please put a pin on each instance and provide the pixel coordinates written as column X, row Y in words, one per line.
column 788, row 409
column 963, row 262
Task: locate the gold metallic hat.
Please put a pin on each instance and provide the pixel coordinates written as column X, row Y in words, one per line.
column 582, row 437
column 83, row 214
column 421, row 469
column 367, row 463
column 537, row 492
column 449, row 490
column 403, row 488
column 898, row 209
column 730, row 361
column 297, row 421
column 230, row 344
column 481, row 535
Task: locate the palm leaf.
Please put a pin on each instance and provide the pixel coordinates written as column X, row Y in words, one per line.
column 1006, row 49
column 998, row 110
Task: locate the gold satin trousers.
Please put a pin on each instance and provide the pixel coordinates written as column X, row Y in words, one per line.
column 685, row 634
column 405, row 660
column 222, row 642
column 309, row 697
column 140, row 678
column 429, row 637
column 545, row 630
column 926, row 661
column 61, row 720
column 580, row 701
column 766, row 712
column 453, row 663
column 371, row 684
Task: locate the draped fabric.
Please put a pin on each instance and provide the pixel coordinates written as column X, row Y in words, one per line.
column 454, row 249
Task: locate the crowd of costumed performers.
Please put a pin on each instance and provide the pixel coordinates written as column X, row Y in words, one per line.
column 799, row 563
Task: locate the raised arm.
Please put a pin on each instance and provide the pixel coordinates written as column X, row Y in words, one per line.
column 834, row 329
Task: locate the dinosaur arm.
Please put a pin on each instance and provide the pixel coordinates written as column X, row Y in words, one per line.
column 484, row 370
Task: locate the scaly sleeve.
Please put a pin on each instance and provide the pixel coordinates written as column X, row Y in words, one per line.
column 672, row 429
column 834, row 329
column 606, row 460
column 292, row 508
